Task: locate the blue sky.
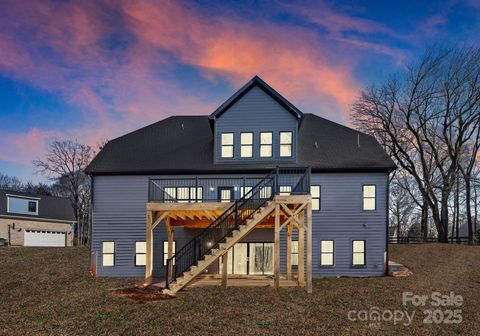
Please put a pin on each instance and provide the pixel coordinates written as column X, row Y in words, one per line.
column 94, row 70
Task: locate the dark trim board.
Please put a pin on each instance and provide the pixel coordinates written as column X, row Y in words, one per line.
column 238, row 171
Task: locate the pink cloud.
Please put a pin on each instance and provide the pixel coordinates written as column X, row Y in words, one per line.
column 119, row 90
column 22, row 148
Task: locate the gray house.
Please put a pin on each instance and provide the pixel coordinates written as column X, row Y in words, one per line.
column 255, row 188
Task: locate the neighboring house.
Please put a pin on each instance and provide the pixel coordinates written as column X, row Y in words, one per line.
column 157, row 189
column 35, row 220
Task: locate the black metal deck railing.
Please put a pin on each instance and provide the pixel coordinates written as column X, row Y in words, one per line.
column 214, row 189
column 237, row 214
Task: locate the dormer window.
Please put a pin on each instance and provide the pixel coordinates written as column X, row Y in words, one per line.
column 246, row 145
column 266, row 143
column 22, row 205
column 227, row 145
column 285, row 144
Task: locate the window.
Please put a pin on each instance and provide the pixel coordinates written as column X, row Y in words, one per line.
column 32, row 206
column 285, row 144
column 108, row 253
column 369, row 194
column 285, row 190
column 294, row 252
column 183, row 194
column 244, row 191
column 246, row 145
column 326, row 253
column 315, row 192
column 140, row 253
column 165, row 252
column 22, row 205
column 266, row 144
column 265, row 192
column 358, row 253
column 227, row 145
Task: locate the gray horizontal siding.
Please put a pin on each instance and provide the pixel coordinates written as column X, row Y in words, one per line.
column 255, row 112
column 119, row 215
column 342, row 220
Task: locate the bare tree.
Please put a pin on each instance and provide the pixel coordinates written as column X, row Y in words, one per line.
column 64, row 163
column 10, row 183
column 425, row 118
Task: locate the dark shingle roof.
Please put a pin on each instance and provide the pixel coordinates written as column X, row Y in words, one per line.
column 184, row 144
column 49, row 207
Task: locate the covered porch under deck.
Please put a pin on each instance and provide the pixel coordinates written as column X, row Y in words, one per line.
column 290, row 212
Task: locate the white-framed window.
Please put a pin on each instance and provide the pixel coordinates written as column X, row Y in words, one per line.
column 315, row 191
column 286, row 144
column 266, row 144
column 358, row 253
column 22, row 205
column 285, row 190
column 184, row 194
column 265, row 192
column 327, row 253
column 227, row 145
column 244, row 191
column 294, row 250
column 140, row 253
column 246, row 145
column 108, row 253
column 369, row 197
column 165, row 252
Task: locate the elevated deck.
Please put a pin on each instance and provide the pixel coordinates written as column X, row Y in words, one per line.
column 280, row 200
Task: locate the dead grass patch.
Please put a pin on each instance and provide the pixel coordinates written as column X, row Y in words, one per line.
column 49, row 292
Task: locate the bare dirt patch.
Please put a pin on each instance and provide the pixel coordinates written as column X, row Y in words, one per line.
column 141, row 295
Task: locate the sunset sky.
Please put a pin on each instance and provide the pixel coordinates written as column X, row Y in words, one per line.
column 94, row 70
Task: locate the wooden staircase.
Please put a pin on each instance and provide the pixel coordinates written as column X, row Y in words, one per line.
column 214, row 254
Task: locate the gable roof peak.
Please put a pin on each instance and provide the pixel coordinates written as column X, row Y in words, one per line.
column 256, row 81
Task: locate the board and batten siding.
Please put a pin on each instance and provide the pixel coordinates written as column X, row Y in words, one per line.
column 255, row 112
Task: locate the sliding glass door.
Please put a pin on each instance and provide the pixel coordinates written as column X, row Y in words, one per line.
column 250, row 258
column 261, row 258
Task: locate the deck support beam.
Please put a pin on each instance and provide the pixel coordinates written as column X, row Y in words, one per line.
column 289, row 251
column 309, row 248
column 276, row 257
column 169, row 230
column 301, row 251
column 149, row 247
column 225, row 269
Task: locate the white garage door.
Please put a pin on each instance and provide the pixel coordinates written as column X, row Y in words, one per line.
column 44, row 238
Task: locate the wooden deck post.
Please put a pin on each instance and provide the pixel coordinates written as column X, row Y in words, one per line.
column 149, row 247
column 301, row 251
column 225, row 269
column 289, row 251
column 309, row 247
column 169, row 229
column 276, row 257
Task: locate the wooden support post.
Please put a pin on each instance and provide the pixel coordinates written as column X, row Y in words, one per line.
column 289, row 251
column 149, row 247
column 309, row 247
column 225, row 269
column 169, row 229
column 276, row 257
column 301, row 251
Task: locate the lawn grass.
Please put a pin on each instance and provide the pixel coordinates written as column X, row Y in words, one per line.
column 49, row 292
